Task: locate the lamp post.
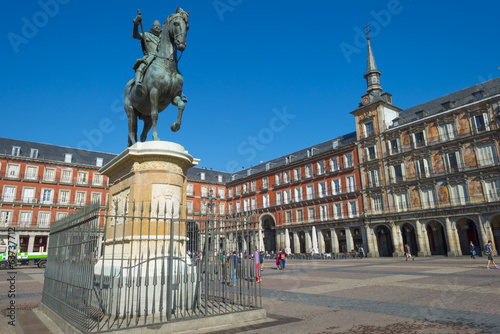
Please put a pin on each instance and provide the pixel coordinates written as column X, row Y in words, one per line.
column 210, row 204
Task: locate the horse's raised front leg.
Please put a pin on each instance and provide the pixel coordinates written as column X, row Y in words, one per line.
column 132, row 123
column 180, row 105
column 153, row 98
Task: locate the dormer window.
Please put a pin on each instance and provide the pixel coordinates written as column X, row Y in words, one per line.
column 478, row 95
column 34, row 153
column 98, row 162
column 420, row 114
column 268, row 165
column 335, row 144
column 233, row 177
column 219, row 178
column 310, row 152
column 68, row 157
column 202, row 175
column 446, row 105
column 249, row 172
column 16, row 150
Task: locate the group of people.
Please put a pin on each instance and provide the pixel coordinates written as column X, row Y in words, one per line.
column 281, row 260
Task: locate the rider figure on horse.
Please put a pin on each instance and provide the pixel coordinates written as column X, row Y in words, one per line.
column 149, row 43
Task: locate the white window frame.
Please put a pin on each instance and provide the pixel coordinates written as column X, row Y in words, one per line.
column 311, row 214
column 298, row 194
column 44, row 199
column 82, row 177
column 287, row 196
column 308, row 171
column 352, row 209
column 265, row 201
column 336, row 189
column 16, row 151
column 310, row 191
column 338, row 210
column 61, row 215
column 296, row 174
column 6, row 217
column 96, row 198
column 286, row 177
column 428, row 198
column 44, row 218
column 68, row 158
column 49, row 174
column 222, row 209
column 398, row 145
column 25, row 218
column 348, row 160
column 204, row 191
column 189, row 189
column 334, row 164
column 424, row 138
column 350, row 181
column 422, row 163
column 13, row 171
column 368, row 156
column 288, row 216
column 80, row 198
column 323, row 212
column 29, row 199
column 221, row 192
column 486, row 155
column 279, row 198
column 277, row 179
column 253, row 186
column 401, row 201
column 373, row 178
column 459, row 194
column 62, row 198
column 448, row 162
column 484, row 117
column 320, row 168
column 253, row 203
column 230, row 192
column 202, row 176
column 392, row 171
column 9, row 193
column 447, row 132
column 377, row 204
column 246, row 204
column 322, row 189
column 97, row 179
column 492, row 190
column 67, row 176
column 265, row 182
column 99, row 162
column 299, row 214
column 31, row 172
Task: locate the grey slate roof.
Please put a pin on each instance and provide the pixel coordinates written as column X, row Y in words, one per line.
column 211, row 176
column 56, row 153
column 456, row 99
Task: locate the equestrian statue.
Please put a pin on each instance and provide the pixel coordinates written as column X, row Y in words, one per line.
column 157, row 81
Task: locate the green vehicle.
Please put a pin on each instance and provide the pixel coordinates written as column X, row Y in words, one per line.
column 22, row 258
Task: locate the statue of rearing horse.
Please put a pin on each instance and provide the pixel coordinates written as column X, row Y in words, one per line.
column 162, row 83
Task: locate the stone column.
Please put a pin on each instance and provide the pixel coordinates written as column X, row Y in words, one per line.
column 486, row 233
column 321, row 241
column 335, row 240
column 348, row 239
column 371, row 240
column 397, row 240
column 296, row 243
column 452, row 238
column 422, row 239
column 308, row 241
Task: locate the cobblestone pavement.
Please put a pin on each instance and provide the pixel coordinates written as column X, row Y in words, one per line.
column 385, row 295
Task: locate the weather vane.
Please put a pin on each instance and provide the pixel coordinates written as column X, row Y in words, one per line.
column 367, row 28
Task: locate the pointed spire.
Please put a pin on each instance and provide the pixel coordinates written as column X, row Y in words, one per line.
column 372, row 74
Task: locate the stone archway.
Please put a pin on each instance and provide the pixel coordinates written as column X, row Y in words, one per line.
column 327, row 237
column 437, row 239
column 467, row 232
column 384, row 241
column 268, row 225
column 410, row 238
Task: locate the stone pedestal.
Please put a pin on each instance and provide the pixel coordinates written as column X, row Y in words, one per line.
column 147, row 199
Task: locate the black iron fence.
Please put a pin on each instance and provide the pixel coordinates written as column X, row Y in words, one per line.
column 144, row 267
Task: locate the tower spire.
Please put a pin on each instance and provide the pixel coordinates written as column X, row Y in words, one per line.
column 372, row 74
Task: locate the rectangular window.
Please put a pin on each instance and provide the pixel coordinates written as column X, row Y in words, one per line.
column 377, row 205
column 320, row 168
column 31, row 173
column 352, row 208
column 300, row 215
column 253, row 186
column 83, row 178
column 401, row 201
column 43, row 218
column 308, row 171
column 277, row 179
column 99, row 162
column 265, row 201
column 61, row 215
column 288, row 216
column 371, row 152
column 203, row 208
column 202, row 175
column 323, row 212
column 212, row 192
column 9, row 194
column 286, row 177
column 254, row 203
column 310, row 191
column 222, row 193
column 428, row 198
column 97, row 179
column 447, row 132
column 230, row 208
column 29, row 195
column 397, row 173
column 47, row 196
column 80, row 198
column 287, row 196
column 486, row 155
column 16, row 150
column 492, row 189
column 12, row 171
column 480, row 124
column 64, row 196
column 337, row 210
column 336, row 187
column 219, row 178
column 25, row 218
column 265, row 183
column 422, row 168
column 246, row 204
column 230, row 192
column 222, row 209
column 238, row 190
column 268, row 165
column 334, row 164
column 245, row 188
column 373, row 178
column 189, row 190
column 369, row 129
column 5, row 218
column 95, row 198
column 419, row 139
column 296, row 174
column 189, row 207
column 322, row 189
column 459, row 194
column 279, row 198
column 311, row 214
column 348, row 160
column 49, row 175
column 298, row 194
column 68, row 157
column 67, row 176
column 350, row 183
column 393, row 146
column 34, row 153
column 452, row 161
column 204, row 191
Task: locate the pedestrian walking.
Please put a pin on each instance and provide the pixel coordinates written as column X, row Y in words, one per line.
column 472, row 250
column 489, row 251
column 257, row 264
column 282, row 259
column 261, row 262
column 278, row 263
column 234, row 263
column 408, row 253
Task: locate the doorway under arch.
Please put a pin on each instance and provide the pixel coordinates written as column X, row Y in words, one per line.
column 467, row 232
column 437, row 239
column 384, row 241
column 495, row 228
column 410, row 238
column 268, row 233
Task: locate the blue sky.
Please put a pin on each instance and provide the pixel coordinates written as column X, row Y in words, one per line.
column 263, row 78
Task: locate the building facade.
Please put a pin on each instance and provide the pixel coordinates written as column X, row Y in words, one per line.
column 42, row 183
column 427, row 176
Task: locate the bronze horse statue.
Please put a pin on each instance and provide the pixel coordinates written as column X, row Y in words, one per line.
column 162, row 81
